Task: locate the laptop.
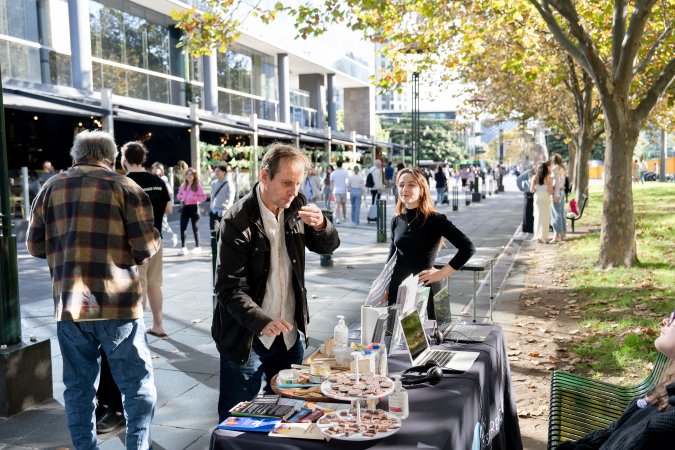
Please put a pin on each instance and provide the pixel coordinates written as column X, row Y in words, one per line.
column 455, row 331
column 420, row 351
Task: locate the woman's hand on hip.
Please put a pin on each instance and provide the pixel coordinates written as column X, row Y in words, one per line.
column 433, row 275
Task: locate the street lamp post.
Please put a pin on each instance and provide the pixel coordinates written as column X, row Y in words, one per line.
column 415, row 119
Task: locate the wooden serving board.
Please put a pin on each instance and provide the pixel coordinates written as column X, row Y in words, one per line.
column 313, row 393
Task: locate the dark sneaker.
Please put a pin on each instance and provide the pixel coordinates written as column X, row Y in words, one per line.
column 110, row 422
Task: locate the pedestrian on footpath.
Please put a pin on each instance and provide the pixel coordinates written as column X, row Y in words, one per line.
column 558, row 216
column 134, row 155
column 190, row 195
column 158, row 169
column 541, row 185
column 355, row 184
column 260, row 320
column 222, row 195
column 327, row 191
column 441, row 184
column 338, row 184
column 376, row 184
column 94, row 227
column 417, row 232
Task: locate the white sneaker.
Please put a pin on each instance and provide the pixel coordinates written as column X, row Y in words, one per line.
column 197, row 250
column 174, row 240
column 184, row 251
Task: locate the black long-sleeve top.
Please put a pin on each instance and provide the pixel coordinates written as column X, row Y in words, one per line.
column 639, row 428
column 417, row 242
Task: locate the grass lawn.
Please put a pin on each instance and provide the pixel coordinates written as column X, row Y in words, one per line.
column 622, row 308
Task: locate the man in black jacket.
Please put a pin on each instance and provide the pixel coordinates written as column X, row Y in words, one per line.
column 262, row 315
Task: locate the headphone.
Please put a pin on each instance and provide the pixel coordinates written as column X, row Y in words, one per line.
column 430, row 373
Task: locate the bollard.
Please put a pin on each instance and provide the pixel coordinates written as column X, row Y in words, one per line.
column 475, row 195
column 455, row 198
column 381, row 221
column 467, row 196
column 327, row 259
column 214, row 257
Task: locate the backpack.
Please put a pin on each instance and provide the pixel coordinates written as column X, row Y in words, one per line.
column 370, row 182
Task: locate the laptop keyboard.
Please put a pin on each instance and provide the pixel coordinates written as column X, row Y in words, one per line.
column 441, row 357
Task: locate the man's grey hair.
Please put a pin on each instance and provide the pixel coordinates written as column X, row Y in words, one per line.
column 94, row 145
column 278, row 152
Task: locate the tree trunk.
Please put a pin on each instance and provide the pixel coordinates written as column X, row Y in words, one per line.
column 584, row 146
column 572, row 163
column 617, row 236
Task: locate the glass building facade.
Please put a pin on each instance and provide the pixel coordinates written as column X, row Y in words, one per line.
column 133, row 53
column 23, row 25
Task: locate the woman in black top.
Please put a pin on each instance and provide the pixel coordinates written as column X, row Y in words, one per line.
column 648, row 422
column 417, row 232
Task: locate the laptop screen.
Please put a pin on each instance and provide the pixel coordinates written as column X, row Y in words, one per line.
column 414, row 334
column 442, row 306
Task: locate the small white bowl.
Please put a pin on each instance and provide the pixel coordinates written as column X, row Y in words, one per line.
column 288, row 376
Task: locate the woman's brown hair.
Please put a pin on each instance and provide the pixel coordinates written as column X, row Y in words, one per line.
column 195, row 180
column 426, row 205
column 659, row 396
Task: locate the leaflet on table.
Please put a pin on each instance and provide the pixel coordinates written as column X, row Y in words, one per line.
column 298, row 431
column 258, row 424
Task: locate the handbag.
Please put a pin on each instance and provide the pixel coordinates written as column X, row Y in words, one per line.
column 377, row 295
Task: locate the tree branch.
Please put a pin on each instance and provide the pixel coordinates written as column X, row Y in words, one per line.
column 655, row 46
column 631, row 44
column 559, row 34
column 652, row 97
column 618, row 31
column 590, row 60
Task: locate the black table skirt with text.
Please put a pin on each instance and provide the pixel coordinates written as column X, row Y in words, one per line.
column 472, row 410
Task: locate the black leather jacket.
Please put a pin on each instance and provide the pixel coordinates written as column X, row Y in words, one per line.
column 243, row 267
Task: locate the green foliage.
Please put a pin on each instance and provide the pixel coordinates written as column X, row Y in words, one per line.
column 237, row 157
column 438, row 139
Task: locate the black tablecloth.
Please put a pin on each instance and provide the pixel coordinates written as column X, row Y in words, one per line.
column 472, row 410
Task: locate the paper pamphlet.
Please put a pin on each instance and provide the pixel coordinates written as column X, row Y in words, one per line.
column 298, row 431
column 405, row 300
column 421, row 301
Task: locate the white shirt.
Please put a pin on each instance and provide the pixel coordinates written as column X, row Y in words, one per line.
column 338, row 179
column 377, row 178
column 279, row 300
column 356, row 181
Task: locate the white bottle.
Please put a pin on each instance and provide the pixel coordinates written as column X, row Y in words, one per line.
column 341, row 332
column 398, row 400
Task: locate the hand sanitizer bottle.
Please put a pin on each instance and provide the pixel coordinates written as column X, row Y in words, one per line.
column 341, row 332
column 398, row 400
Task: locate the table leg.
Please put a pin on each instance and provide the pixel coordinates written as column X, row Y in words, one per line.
column 492, row 265
column 475, row 288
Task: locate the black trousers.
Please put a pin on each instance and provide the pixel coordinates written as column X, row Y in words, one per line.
column 214, row 220
column 528, row 212
column 189, row 213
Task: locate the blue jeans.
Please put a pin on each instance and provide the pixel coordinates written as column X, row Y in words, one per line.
column 355, row 195
column 131, row 365
column 241, row 382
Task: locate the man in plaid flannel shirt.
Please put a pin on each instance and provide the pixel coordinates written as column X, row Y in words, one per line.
column 94, row 227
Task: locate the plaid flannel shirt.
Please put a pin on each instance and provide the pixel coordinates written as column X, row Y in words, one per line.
column 93, row 226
